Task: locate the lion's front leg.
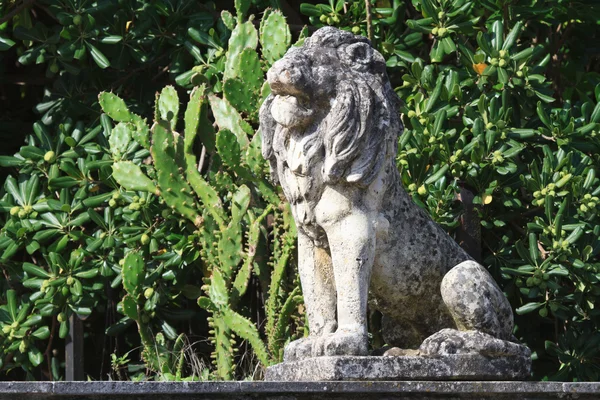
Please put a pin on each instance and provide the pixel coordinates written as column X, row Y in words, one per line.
column 318, row 287
column 352, row 243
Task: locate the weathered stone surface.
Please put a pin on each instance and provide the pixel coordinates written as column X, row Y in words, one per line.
column 450, row 367
column 296, row 390
column 330, row 132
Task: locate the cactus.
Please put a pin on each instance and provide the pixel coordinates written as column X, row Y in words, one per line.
column 196, row 118
column 228, row 20
column 244, row 36
column 228, row 118
column 168, row 106
column 119, row 139
column 131, row 177
column 243, row 90
column 166, row 151
column 229, row 205
column 241, row 8
column 116, row 109
column 228, row 148
column 275, row 36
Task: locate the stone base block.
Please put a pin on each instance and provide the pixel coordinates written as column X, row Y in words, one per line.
column 402, row 368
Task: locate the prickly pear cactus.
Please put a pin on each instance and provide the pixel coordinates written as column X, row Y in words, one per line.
column 237, row 217
column 275, row 36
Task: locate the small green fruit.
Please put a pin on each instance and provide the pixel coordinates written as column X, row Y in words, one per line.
column 54, row 67
column 148, row 292
column 22, row 214
column 77, row 20
column 15, row 210
column 435, row 31
column 323, row 18
column 112, row 203
column 145, row 239
column 23, row 346
column 64, row 291
column 411, row 114
column 61, row 317
column 50, row 157
column 502, row 63
column 422, row 190
column 70, row 280
column 356, row 30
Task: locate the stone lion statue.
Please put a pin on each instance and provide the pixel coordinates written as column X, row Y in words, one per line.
column 330, row 130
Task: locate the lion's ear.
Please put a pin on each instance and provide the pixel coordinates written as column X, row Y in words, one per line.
column 357, row 55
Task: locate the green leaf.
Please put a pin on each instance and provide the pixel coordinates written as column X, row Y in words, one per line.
column 512, row 36
column 6, row 43
column 35, row 356
column 498, row 30
column 41, row 333
column 11, row 303
column 98, row 57
column 529, row 307
column 35, row 270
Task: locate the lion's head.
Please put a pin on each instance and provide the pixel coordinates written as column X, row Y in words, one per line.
column 334, row 94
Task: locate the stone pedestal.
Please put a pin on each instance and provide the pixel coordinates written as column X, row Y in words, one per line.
column 402, row 368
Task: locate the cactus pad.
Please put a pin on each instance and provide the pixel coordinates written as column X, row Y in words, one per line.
column 228, row 118
column 174, row 189
column 275, row 36
column 168, row 105
column 131, row 177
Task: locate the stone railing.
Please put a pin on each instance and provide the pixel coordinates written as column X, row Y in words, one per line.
column 296, row 390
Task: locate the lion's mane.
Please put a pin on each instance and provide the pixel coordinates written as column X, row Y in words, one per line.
column 356, row 121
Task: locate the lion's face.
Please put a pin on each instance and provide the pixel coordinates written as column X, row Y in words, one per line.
column 333, row 96
column 305, row 81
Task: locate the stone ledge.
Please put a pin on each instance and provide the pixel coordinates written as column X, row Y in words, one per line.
column 448, row 367
column 296, row 390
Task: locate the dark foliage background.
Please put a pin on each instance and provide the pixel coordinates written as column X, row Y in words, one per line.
column 502, row 110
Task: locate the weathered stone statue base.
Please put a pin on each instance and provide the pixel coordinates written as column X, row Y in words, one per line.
column 381, row 368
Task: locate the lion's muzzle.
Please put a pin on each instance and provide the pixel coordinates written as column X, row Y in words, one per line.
column 288, row 79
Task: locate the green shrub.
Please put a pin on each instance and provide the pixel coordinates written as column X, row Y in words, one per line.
column 502, row 100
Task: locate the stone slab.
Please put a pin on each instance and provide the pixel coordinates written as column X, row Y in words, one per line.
column 296, row 390
column 370, row 368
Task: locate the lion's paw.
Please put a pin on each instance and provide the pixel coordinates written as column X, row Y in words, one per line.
column 341, row 344
column 452, row 341
column 298, row 349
